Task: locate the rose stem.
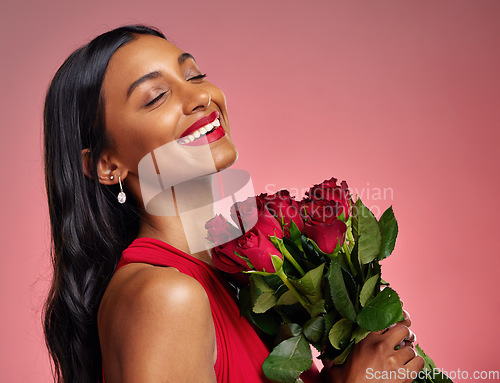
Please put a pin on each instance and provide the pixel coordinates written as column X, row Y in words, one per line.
column 348, row 256
column 292, row 260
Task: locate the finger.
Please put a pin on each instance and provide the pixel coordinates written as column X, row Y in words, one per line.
column 411, row 337
column 396, row 334
column 387, row 329
column 405, row 354
column 406, row 319
column 409, row 340
column 407, row 343
column 406, row 314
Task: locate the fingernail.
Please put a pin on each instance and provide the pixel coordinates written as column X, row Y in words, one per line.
column 410, row 335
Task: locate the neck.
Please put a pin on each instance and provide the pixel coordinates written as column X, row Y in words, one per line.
column 185, row 227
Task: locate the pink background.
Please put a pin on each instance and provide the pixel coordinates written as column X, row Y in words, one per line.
column 401, row 95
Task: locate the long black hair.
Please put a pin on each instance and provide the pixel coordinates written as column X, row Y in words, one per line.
column 89, row 227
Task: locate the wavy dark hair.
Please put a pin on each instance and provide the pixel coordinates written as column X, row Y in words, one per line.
column 89, row 227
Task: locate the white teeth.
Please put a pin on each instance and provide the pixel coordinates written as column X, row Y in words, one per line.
column 200, row 132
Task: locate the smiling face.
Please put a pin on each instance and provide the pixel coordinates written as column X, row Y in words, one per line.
column 154, row 94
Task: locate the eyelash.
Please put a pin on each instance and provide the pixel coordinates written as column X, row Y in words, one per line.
column 199, row 77
column 157, row 98
column 154, row 100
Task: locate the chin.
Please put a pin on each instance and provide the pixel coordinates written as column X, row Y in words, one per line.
column 226, row 158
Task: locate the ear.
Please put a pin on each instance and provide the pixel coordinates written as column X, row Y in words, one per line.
column 107, row 169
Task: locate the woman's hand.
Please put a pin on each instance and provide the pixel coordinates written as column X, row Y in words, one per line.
column 375, row 358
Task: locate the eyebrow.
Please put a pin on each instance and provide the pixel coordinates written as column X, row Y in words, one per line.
column 139, row 81
column 155, row 74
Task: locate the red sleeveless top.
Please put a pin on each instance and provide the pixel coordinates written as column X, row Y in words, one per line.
column 240, row 351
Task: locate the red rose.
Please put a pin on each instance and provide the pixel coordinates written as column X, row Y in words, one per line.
column 322, row 211
column 254, row 213
column 254, row 246
column 283, row 206
column 322, row 224
column 225, row 260
column 221, row 231
column 328, row 190
column 326, row 235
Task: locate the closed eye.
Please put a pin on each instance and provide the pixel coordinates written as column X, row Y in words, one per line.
column 198, row 77
column 155, row 100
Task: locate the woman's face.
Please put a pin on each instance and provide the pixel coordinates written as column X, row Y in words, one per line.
column 153, row 93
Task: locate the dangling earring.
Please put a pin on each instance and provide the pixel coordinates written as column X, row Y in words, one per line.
column 121, row 195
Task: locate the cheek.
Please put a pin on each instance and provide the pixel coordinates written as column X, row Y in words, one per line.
column 135, row 137
column 219, row 98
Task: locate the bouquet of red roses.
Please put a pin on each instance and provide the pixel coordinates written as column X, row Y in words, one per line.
column 310, row 274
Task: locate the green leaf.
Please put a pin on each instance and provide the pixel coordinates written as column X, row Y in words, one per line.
column 369, row 233
column 317, row 307
column 359, row 334
column 267, row 322
column 316, row 248
column 340, row 333
column 295, row 235
column 431, row 366
column 287, row 298
column 338, row 290
column 389, row 230
column 311, row 281
column 277, row 262
column 314, row 328
column 343, row 356
column 350, row 284
column 263, row 297
column 311, row 253
column 288, row 360
column 342, row 216
column 358, row 268
column 287, row 330
column 381, row 311
column 368, row 289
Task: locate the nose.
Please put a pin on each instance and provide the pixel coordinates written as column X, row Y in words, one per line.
column 194, row 98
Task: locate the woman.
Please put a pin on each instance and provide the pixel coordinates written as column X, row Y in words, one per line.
column 120, row 97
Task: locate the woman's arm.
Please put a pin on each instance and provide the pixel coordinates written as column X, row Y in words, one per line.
column 155, row 325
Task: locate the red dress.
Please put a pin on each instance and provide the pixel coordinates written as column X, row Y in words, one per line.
column 240, row 351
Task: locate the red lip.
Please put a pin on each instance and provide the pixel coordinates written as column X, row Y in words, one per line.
column 214, row 135
column 200, row 123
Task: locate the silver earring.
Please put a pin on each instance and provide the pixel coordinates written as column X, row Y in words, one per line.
column 121, row 195
column 111, row 177
column 209, row 99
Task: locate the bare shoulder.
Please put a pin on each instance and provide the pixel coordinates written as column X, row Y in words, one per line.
column 155, row 324
column 140, row 285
